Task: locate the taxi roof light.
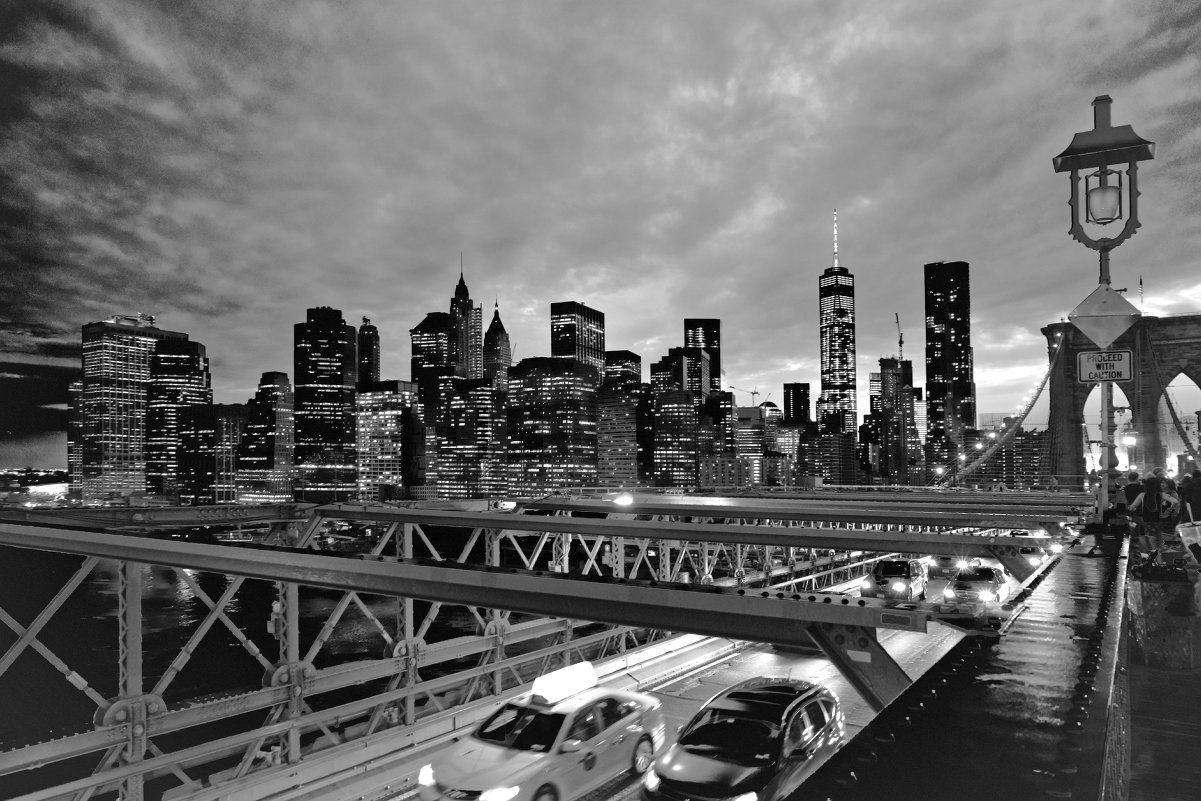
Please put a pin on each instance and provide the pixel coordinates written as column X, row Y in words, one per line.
column 551, row 688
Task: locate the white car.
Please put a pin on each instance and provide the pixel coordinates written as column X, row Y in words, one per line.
column 563, row 739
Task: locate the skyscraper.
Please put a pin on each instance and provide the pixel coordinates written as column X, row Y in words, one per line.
column 950, row 382
column 796, row 404
column 899, row 444
column 706, row 333
column 267, row 450
column 390, row 439
column 325, row 371
column 117, row 354
column 675, row 456
column 467, row 344
column 836, row 310
column 179, row 380
column 617, row 403
column 623, row 364
column 683, row 369
column 432, row 359
column 209, row 437
column 471, row 436
column 368, row 352
column 551, row 424
column 498, row 353
column 578, row 332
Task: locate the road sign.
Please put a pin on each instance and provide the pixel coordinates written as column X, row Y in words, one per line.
column 1104, row 316
column 1105, row 365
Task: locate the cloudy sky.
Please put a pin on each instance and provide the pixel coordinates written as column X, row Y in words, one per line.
column 226, row 165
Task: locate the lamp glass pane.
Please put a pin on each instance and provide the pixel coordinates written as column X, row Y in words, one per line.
column 1104, row 204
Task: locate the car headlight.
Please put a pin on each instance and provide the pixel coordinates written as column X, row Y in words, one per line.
column 650, row 780
column 500, row 793
column 425, row 776
column 1056, row 547
column 1033, row 560
column 752, row 796
column 897, row 586
column 987, row 595
column 948, row 593
column 961, row 564
column 866, row 584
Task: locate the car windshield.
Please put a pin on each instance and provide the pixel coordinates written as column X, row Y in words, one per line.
column 977, row 574
column 892, row 568
column 730, row 737
column 522, row 728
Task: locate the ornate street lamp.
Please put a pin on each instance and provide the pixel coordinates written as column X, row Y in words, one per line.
column 1104, row 146
column 1108, row 199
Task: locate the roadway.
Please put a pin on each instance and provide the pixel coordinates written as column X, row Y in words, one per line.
column 683, row 694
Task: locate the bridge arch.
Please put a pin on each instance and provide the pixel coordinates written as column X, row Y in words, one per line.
column 1163, row 348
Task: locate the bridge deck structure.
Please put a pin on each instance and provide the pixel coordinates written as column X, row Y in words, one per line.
column 604, row 564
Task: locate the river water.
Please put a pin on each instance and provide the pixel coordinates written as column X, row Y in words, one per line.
column 37, row 703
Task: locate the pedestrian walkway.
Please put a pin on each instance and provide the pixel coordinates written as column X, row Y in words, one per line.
column 1165, row 700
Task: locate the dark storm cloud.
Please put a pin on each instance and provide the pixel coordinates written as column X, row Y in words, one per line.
column 226, row 165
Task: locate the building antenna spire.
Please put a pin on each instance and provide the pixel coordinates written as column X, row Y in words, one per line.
column 836, row 264
column 460, row 264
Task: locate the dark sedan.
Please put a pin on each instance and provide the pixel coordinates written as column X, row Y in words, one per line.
column 759, row 739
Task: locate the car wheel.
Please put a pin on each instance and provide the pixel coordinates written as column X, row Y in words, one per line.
column 546, row 793
column 644, row 755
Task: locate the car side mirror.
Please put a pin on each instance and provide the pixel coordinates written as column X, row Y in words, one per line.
column 571, row 746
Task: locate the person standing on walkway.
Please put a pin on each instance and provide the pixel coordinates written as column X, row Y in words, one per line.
column 1158, row 509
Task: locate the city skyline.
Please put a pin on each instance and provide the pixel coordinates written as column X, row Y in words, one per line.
column 224, row 167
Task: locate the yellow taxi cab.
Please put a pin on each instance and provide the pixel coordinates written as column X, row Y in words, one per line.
column 564, row 738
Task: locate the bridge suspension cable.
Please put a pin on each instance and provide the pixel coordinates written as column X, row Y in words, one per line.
column 1009, row 432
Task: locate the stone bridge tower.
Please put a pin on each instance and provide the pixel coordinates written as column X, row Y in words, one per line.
column 1163, row 348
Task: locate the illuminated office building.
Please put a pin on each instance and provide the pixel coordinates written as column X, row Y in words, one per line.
column 467, row 350
column 471, row 440
column 266, row 453
column 683, row 369
column 432, row 352
column 551, row 432
column 950, row 382
column 326, row 369
column 578, row 332
column 209, row 437
column 75, row 434
column 706, row 333
column 796, row 404
column 675, row 456
column 623, row 364
column 900, row 448
column 179, row 380
column 617, row 412
column 836, row 323
column 368, row 353
column 111, row 430
column 498, row 352
column 390, row 442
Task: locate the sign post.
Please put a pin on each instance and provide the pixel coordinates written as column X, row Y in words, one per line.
column 1103, row 317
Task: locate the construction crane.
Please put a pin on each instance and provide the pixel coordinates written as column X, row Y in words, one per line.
column 753, row 392
column 900, row 339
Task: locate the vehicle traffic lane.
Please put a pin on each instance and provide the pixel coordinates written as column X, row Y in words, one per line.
column 682, row 696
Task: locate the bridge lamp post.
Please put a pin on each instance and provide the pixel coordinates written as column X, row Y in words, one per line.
column 1108, row 198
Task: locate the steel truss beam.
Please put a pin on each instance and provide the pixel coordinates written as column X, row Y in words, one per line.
column 983, row 516
column 150, row 517
column 988, row 543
